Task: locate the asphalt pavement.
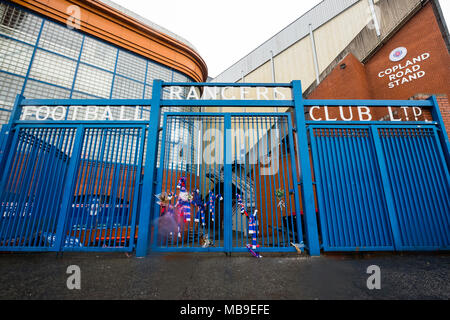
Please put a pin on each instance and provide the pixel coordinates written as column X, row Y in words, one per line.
column 213, row 276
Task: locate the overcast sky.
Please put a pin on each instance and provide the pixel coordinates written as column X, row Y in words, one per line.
column 225, row 31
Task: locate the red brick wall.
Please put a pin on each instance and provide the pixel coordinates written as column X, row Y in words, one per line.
column 347, row 81
column 420, row 35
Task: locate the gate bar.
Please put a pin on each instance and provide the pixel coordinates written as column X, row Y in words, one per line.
column 221, row 84
column 228, row 176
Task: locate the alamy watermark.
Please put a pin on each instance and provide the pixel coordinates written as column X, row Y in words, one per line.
column 74, row 280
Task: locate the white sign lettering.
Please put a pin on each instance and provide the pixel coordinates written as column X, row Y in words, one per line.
column 227, row 93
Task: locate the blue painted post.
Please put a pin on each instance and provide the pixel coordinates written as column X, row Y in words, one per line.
column 443, row 135
column 312, row 232
column 295, row 181
column 228, row 196
column 6, row 138
column 387, row 188
column 149, row 183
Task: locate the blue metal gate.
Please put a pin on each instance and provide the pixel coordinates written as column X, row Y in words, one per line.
column 201, row 156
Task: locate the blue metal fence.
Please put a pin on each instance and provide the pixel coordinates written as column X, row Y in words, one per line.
column 80, row 185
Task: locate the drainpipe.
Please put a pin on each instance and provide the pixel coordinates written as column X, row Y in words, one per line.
column 316, row 63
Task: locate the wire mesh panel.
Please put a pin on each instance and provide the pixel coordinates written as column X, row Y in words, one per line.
column 266, row 209
column 31, row 187
column 189, row 215
column 103, row 212
column 352, row 207
column 421, row 189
